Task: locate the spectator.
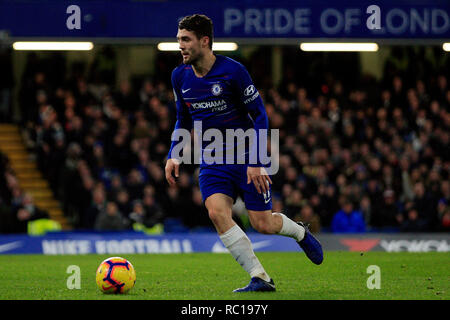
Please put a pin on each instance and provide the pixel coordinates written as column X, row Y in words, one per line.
column 110, row 219
column 137, row 214
column 294, row 203
column 366, row 208
column 146, row 213
column 153, row 210
column 126, row 98
column 326, row 205
column 388, row 212
column 115, row 186
column 6, row 218
column 348, row 220
column 443, row 215
column 135, row 183
column 423, row 204
column 445, row 220
column 26, row 212
column 122, row 199
column 147, row 91
column 307, row 215
column 98, row 205
column 413, row 223
column 196, row 214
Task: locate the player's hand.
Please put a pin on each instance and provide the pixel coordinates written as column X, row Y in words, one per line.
column 172, row 165
column 260, row 178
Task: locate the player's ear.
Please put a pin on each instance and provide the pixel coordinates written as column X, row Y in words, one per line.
column 205, row 42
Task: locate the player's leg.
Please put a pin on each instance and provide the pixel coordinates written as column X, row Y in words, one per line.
column 267, row 222
column 259, row 207
column 219, row 208
column 219, row 192
column 232, row 236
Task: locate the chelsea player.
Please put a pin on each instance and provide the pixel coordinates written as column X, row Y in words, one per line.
column 219, row 92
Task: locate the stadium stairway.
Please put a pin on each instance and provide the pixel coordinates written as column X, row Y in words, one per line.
column 28, row 175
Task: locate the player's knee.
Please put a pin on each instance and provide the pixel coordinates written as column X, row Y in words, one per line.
column 216, row 215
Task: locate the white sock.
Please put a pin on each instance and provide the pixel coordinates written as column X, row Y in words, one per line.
column 240, row 247
column 290, row 228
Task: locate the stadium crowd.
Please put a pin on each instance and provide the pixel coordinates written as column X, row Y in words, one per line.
column 354, row 158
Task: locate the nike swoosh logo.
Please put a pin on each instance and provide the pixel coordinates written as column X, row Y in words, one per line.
column 10, row 246
column 219, row 248
column 184, row 91
column 261, row 244
column 266, row 196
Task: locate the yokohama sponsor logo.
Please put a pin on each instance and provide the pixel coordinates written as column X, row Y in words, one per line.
column 415, row 245
column 208, row 104
column 396, row 245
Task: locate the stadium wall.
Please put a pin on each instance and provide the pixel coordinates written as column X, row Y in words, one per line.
column 284, row 20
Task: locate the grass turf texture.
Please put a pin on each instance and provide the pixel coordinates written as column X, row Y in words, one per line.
column 207, row 276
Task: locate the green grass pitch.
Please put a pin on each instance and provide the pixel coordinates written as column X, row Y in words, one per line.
column 207, row 276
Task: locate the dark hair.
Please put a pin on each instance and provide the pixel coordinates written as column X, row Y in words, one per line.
column 200, row 24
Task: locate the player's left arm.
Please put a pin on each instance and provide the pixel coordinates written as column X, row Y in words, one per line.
column 254, row 105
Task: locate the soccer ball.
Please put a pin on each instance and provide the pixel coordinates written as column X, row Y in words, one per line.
column 115, row 275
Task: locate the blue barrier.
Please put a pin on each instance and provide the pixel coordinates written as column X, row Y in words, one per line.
column 131, row 242
column 114, row 243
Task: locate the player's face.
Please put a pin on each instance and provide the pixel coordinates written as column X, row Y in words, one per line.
column 191, row 48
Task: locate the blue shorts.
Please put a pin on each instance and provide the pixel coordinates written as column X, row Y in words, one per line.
column 232, row 181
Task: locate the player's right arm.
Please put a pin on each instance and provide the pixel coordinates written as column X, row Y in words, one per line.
column 184, row 121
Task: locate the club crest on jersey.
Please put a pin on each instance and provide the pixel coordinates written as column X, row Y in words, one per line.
column 216, row 89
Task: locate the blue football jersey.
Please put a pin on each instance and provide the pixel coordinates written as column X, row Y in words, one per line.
column 225, row 98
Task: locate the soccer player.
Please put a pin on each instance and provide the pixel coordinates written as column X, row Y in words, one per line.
column 219, row 92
